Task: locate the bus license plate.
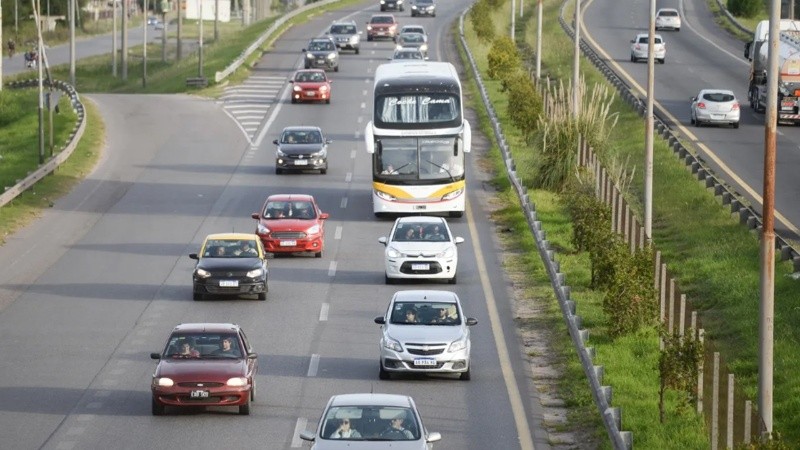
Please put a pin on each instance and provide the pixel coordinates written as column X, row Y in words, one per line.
column 424, row 362
column 288, row 243
column 228, row 283
column 420, row 267
column 199, row 394
column 420, row 207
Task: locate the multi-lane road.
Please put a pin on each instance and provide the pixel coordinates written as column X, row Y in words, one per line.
column 96, row 284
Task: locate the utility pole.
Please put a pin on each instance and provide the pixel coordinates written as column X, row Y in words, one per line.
column 144, row 44
column 114, row 38
column 39, row 47
column 576, row 60
column 179, row 52
column 125, row 10
column 216, row 20
column 71, row 7
column 766, row 310
column 246, row 12
column 539, row 40
column 521, row 3
column 1, row 43
column 200, row 41
column 649, row 123
column 163, row 30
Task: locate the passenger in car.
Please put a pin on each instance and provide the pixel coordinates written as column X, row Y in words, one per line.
column 411, row 316
column 396, row 430
column 344, row 431
column 187, row 351
column 435, row 234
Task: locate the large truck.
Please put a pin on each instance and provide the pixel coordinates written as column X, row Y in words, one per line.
column 757, row 52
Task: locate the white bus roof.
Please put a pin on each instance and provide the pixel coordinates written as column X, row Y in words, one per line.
column 415, row 69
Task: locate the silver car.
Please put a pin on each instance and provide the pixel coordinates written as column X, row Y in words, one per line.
column 715, row 106
column 420, row 247
column 668, row 19
column 371, row 421
column 425, row 331
column 346, row 35
column 639, row 48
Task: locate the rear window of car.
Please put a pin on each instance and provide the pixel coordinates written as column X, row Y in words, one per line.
column 718, row 97
column 668, row 13
column 643, row 40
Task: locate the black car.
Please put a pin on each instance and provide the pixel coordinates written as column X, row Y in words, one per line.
column 322, row 53
column 423, row 8
column 301, row 148
column 396, row 5
column 230, row 264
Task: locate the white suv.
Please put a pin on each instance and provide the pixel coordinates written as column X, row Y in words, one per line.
column 639, row 48
column 668, row 19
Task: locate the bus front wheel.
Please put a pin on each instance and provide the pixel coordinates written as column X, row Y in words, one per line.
column 456, row 214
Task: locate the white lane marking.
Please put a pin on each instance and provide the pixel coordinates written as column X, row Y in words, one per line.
column 349, row 177
column 352, row 154
column 313, row 366
column 66, row 445
column 363, row 105
column 244, row 131
column 338, row 234
column 301, row 424
column 332, row 269
column 323, row 312
column 272, row 117
column 343, row 203
column 360, row 119
column 364, row 92
column 75, row 431
column 514, row 394
column 85, row 417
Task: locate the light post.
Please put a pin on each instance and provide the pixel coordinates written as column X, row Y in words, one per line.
column 200, row 41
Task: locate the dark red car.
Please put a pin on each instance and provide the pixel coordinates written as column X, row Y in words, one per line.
column 311, row 85
column 382, row 26
column 205, row 364
column 291, row 223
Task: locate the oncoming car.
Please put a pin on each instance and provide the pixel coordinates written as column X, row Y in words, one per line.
column 381, row 26
column 412, row 40
column 230, row 264
column 425, row 331
column 715, row 106
column 421, row 247
column 205, row 364
column 301, row 148
column 321, row 53
column 668, row 19
column 423, row 8
column 291, row 223
column 346, row 35
column 406, row 54
column 371, row 421
column 639, row 46
column 311, row 85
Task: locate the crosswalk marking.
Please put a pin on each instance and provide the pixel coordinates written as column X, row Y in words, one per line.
column 248, row 103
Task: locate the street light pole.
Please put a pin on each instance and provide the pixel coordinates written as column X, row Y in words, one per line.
column 71, row 7
column 576, row 61
column 144, row 45
column 125, row 9
column 200, row 41
column 649, row 124
column 539, row 40
column 114, row 38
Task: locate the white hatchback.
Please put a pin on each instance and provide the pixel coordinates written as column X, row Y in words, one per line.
column 639, row 46
column 715, row 106
column 421, row 247
column 668, row 19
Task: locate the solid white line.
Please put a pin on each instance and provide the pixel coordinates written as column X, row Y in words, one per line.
column 332, row 269
column 514, row 394
column 343, row 203
column 323, row 312
column 313, row 366
column 338, row 234
column 301, row 424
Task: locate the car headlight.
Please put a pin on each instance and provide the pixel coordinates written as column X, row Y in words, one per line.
column 202, row 273
column 391, row 344
column 369, row 27
column 423, row 47
column 320, row 154
column 261, row 229
column 255, row 273
column 310, row 55
column 385, row 196
column 332, row 55
column 413, row 6
column 398, row 47
column 392, row 252
column 297, row 88
column 279, row 153
column 448, row 252
column 323, row 88
column 453, row 194
column 458, row 346
column 313, row 230
column 237, row 382
column 163, row 382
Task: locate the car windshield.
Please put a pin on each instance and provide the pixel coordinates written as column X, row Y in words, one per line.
column 718, row 97
column 302, row 210
column 412, row 38
column 203, row 346
column 425, row 313
column 424, row 2
column 645, row 40
column 230, row 248
column 405, row 54
column 343, row 29
column 310, row 77
column 370, row 423
column 301, row 137
column 419, row 30
column 320, row 46
column 420, row 231
column 382, row 19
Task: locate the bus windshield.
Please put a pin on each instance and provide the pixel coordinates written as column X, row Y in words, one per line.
column 423, row 158
column 417, row 111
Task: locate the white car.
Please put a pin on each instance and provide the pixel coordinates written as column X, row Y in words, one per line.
column 421, row 247
column 425, row 331
column 371, row 421
column 639, row 47
column 715, row 106
column 668, row 19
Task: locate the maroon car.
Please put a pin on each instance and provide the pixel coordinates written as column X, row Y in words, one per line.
column 311, row 85
column 291, row 223
column 205, row 364
column 382, row 26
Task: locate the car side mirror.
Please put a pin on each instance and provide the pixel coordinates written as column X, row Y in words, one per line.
column 252, row 355
column 324, row 216
column 693, row 99
column 328, row 141
column 307, row 436
column 193, row 256
column 633, row 41
column 256, row 216
column 303, row 51
column 291, row 81
column 434, row 436
column 382, row 240
column 471, row 321
column 380, row 320
column 275, row 141
column 458, row 240
column 155, row 355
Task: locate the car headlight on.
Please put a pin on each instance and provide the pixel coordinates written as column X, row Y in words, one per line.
column 398, row 47
column 331, row 55
column 163, row 382
column 448, row 252
column 391, row 344
column 261, row 229
column 413, row 6
column 458, row 345
column 297, row 88
column 310, row 55
column 385, row 196
column 202, row 273
column 323, row 88
column 313, row 230
column 392, row 252
column 423, row 47
column 237, row 382
column 369, row 27
column 454, row 194
column 255, row 273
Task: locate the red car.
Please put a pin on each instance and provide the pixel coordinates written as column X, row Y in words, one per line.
column 382, row 26
column 291, row 223
column 311, row 85
column 205, row 364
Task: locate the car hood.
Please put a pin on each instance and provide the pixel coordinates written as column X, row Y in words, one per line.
column 420, row 248
column 335, row 444
column 288, row 224
column 321, row 53
column 425, row 333
column 309, row 85
column 219, row 370
column 300, row 149
column 344, row 36
column 382, row 25
column 214, row 264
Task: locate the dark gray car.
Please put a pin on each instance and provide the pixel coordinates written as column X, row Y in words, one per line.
column 322, row 53
column 346, row 35
column 301, row 148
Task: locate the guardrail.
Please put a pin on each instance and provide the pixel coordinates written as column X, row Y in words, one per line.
column 51, row 164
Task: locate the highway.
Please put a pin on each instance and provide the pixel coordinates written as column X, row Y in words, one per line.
column 98, row 282
column 702, row 56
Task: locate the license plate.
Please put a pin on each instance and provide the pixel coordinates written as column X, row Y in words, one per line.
column 320, row 61
column 228, row 283
column 420, row 267
column 420, row 207
column 718, row 116
column 381, row 33
column 301, row 162
column 311, row 93
column 789, row 104
column 203, row 394
column 424, row 362
column 288, row 243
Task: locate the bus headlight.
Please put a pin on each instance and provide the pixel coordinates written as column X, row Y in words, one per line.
column 385, row 196
column 455, row 194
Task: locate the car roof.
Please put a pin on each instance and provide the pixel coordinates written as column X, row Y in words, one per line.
column 290, row 197
column 717, row 91
column 343, row 22
column 301, row 128
column 369, row 399
column 667, row 9
column 208, row 327
column 232, row 236
column 658, row 36
column 429, row 295
column 381, row 15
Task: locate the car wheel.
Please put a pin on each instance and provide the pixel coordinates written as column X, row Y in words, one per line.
column 465, row 376
column 253, row 388
column 197, row 296
column 262, row 295
column 244, row 410
column 357, row 50
column 318, row 255
column 662, row 60
column 736, row 125
column 691, row 119
column 323, row 171
column 412, row 14
column 388, row 280
column 402, row 9
column 294, row 100
column 369, row 38
column 278, row 171
column 380, row 215
column 383, row 8
column 697, row 123
column 328, row 101
column 336, row 69
column 677, row 30
column 383, row 374
column 633, row 58
column 306, row 66
column 452, row 280
column 157, row 408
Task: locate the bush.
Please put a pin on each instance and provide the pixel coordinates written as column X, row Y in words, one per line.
column 745, row 8
column 678, row 367
column 504, row 60
column 630, row 300
column 479, row 16
column 524, row 103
